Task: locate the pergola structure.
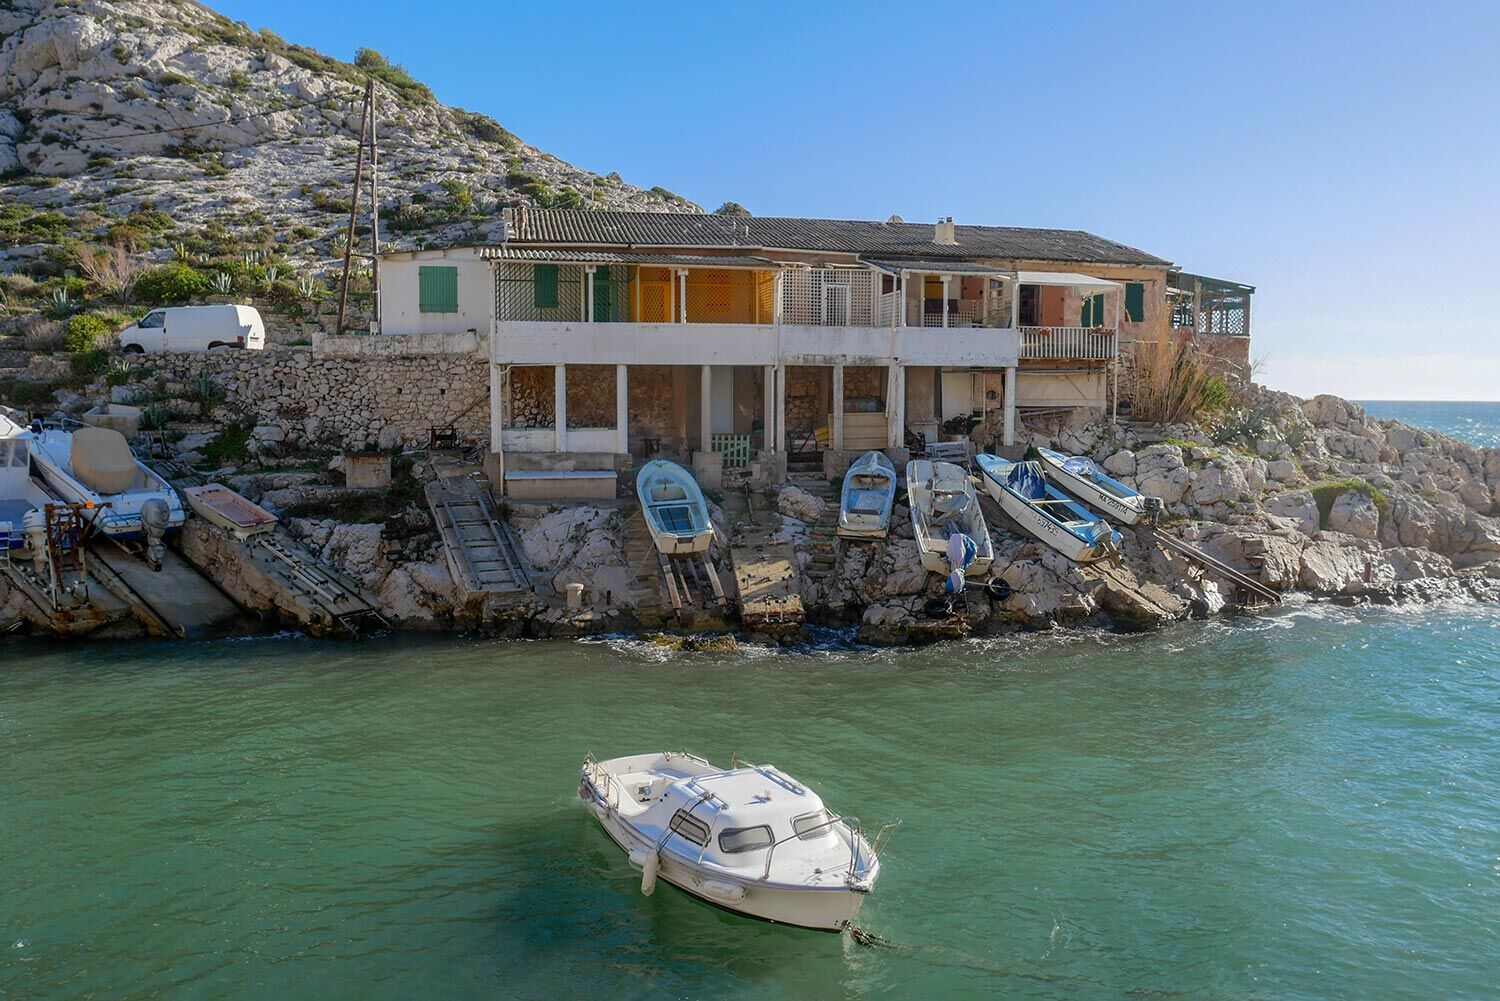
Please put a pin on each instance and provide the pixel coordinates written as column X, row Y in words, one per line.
column 1207, row 305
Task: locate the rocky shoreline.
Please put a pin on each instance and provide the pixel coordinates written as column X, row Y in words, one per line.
column 1312, row 497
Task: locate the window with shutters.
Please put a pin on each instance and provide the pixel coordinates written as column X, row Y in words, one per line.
column 1135, row 302
column 544, row 286
column 1093, row 311
column 437, row 289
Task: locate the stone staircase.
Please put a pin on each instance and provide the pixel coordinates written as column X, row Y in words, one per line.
column 823, row 537
column 646, row 584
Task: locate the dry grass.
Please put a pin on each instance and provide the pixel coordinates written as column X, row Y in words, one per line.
column 1171, row 383
column 112, row 269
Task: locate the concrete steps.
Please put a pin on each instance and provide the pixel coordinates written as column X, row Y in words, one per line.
column 822, row 544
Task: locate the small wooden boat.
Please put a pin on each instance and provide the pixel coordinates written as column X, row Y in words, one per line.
column 1079, row 476
column 95, row 466
column 675, row 510
column 1046, row 513
column 218, row 505
column 750, row 839
column 869, row 492
column 943, row 507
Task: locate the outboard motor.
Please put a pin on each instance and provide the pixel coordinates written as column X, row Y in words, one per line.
column 1154, row 508
column 154, row 518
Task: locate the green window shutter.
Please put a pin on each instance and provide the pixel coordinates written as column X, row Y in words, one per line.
column 604, row 296
column 1092, row 312
column 1135, row 302
column 437, row 290
column 544, row 286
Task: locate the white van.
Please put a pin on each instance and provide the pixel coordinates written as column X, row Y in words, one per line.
column 196, row 328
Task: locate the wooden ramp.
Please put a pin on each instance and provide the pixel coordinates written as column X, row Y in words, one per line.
column 1247, row 590
column 483, row 554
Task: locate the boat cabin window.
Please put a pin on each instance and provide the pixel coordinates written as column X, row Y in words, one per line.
column 812, row 825
column 153, row 319
column 13, row 454
column 693, row 830
column 745, row 839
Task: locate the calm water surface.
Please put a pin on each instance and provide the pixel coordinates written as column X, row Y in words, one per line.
column 1302, row 806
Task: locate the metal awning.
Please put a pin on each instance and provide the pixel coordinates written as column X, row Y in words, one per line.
column 549, row 256
column 938, row 268
column 1070, row 279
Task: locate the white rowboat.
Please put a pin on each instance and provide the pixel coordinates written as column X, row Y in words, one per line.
column 1079, row 476
column 944, row 505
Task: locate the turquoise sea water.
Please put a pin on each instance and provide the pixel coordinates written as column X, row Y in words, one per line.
column 1303, row 805
column 1476, row 423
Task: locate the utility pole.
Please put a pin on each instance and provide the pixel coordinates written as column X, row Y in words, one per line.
column 359, row 166
column 374, row 205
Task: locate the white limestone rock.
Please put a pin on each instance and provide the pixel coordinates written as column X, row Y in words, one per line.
column 355, row 549
column 1355, row 513
column 1299, row 506
column 794, row 502
column 1121, row 463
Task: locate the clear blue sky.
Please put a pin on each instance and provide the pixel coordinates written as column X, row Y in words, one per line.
column 1342, row 158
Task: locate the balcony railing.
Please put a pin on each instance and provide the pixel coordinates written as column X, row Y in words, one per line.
column 1068, row 343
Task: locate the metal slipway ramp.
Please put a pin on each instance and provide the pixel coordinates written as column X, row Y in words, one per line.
column 174, row 601
column 483, row 554
column 1249, row 587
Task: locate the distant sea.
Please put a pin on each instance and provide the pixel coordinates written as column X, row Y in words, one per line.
column 1476, row 423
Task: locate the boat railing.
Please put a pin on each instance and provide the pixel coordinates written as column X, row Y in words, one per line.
column 602, row 780
column 852, row 823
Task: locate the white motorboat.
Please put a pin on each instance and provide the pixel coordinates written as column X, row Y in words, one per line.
column 869, row 491
column 750, row 839
column 943, row 507
column 1046, row 513
column 675, row 510
column 22, row 500
column 95, row 466
column 1079, row 476
column 218, row 505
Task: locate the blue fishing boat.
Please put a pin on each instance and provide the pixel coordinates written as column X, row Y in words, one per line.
column 869, row 491
column 675, row 510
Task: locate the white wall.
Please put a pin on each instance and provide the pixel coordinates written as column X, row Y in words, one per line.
column 722, row 418
column 400, row 311
column 1077, row 388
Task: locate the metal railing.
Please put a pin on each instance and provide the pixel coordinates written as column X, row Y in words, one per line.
column 1068, row 343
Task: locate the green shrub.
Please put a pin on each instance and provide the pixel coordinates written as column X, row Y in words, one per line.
column 84, row 332
column 171, row 283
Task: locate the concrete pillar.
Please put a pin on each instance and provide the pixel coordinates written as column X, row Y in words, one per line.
column 768, row 410
column 682, row 296
column 705, row 407
column 780, row 407
column 838, row 407
column 560, row 407
column 494, row 465
column 588, row 297
column 1009, row 437
column 1015, row 303
column 895, row 405
column 622, row 409
column 946, row 280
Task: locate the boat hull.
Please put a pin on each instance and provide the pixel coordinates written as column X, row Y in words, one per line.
column 933, row 549
column 817, row 908
column 1127, row 512
column 1042, row 528
column 118, row 521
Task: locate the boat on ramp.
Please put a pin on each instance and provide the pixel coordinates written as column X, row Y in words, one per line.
column 944, row 507
column 676, row 513
column 1046, row 513
column 750, row 838
column 1080, row 476
column 868, row 495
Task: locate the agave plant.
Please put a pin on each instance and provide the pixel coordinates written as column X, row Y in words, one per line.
column 340, row 243
column 180, row 251
column 62, row 302
column 252, row 258
column 223, row 282
column 119, row 372
column 271, row 272
column 308, row 287
column 155, row 417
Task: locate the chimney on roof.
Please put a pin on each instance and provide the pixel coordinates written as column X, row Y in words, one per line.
column 943, row 233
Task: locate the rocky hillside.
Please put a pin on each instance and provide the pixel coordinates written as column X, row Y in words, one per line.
column 167, row 124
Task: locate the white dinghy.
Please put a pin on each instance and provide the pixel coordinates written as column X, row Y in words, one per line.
column 750, row 839
column 675, row 510
column 221, row 506
column 95, row 466
column 943, row 507
column 1045, row 512
column 1079, row 476
column 869, row 492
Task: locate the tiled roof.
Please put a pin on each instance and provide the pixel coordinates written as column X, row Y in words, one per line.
column 939, row 267
column 905, row 240
column 505, row 252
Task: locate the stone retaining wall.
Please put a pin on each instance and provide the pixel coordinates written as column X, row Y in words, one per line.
column 382, row 400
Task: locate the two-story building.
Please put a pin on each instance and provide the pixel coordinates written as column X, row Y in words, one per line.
column 674, row 333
